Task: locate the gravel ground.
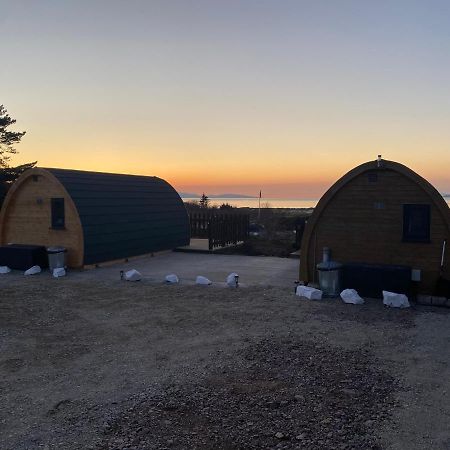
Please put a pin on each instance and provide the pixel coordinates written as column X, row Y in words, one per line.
column 116, row 365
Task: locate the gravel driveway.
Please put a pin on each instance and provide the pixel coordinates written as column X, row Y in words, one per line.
column 252, row 270
column 115, row 365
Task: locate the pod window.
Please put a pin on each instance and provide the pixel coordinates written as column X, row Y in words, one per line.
column 58, row 213
column 416, row 223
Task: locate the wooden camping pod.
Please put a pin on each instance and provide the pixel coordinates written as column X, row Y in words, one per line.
column 361, row 219
column 105, row 216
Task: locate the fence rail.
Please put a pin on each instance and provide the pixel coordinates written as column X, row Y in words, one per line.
column 220, row 229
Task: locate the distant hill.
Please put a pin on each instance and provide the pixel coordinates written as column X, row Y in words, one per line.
column 191, row 195
column 445, row 195
column 231, row 196
column 188, row 195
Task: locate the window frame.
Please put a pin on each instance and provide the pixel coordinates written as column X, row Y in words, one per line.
column 408, row 235
column 58, row 220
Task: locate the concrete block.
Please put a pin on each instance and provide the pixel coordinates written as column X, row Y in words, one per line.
column 309, row 293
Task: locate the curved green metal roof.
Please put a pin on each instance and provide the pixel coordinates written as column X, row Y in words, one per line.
column 125, row 215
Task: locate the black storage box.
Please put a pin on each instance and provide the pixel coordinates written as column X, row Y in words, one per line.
column 22, row 257
column 443, row 288
column 371, row 279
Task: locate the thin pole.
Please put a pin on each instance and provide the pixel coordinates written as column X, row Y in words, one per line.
column 259, row 206
column 443, row 256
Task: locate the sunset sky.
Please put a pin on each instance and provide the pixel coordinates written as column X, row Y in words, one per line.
column 230, row 96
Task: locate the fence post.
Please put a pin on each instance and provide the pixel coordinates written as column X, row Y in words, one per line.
column 210, row 234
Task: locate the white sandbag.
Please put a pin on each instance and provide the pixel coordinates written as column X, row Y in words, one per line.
column 351, row 296
column 133, row 275
column 202, row 280
column 4, row 269
column 59, row 272
column 309, row 292
column 395, row 300
column 33, row 270
column 172, row 278
column 231, row 279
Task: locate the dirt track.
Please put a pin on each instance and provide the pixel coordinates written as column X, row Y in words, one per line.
column 144, row 366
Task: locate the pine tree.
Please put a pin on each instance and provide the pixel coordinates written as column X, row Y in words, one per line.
column 8, row 139
column 204, row 201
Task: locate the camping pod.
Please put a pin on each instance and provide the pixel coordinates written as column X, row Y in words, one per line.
column 381, row 213
column 97, row 216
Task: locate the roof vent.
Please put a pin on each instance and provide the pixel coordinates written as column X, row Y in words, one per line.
column 379, row 161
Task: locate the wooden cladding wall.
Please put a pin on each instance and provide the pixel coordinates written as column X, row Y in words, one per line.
column 27, row 217
column 363, row 222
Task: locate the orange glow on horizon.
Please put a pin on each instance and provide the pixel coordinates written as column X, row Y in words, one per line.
column 277, row 178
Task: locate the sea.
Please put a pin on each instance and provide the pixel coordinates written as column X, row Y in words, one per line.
column 266, row 202
column 253, row 202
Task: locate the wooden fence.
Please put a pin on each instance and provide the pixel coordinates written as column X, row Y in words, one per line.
column 220, row 229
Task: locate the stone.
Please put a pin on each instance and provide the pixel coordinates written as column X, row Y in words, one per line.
column 309, row 293
column 133, row 275
column 395, row 300
column 348, row 391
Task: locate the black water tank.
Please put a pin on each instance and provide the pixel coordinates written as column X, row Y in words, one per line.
column 22, row 257
column 371, row 279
